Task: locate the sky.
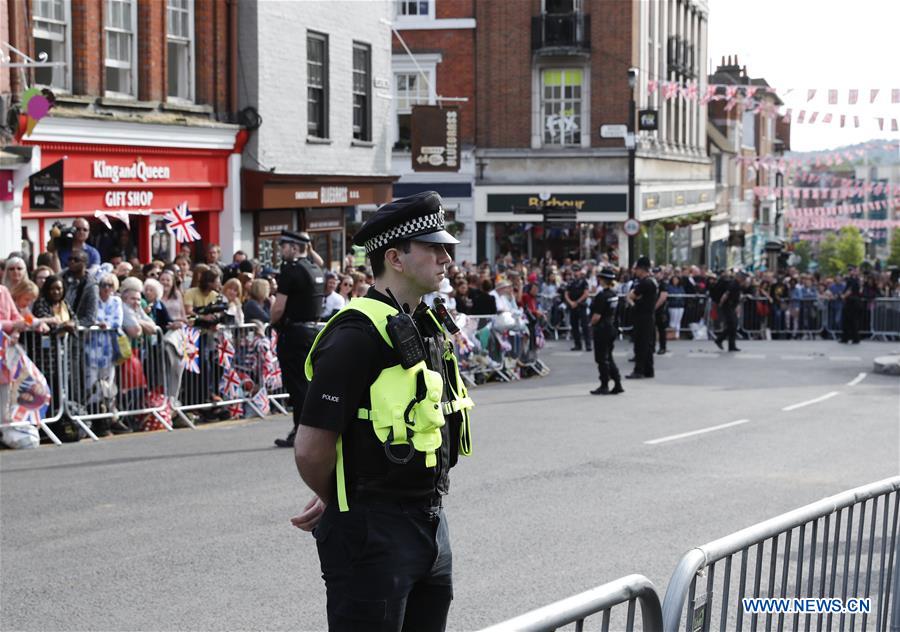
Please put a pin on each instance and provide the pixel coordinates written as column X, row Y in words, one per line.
column 820, row 44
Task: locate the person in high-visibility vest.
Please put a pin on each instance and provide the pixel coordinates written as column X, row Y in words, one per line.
column 385, row 418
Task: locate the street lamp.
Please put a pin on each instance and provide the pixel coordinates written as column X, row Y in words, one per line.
column 631, row 143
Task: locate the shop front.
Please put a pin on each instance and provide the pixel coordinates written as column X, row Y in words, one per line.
column 123, row 190
column 526, row 222
column 676, row 222
column 323, row 206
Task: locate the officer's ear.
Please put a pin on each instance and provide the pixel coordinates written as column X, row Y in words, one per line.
column 392, row 259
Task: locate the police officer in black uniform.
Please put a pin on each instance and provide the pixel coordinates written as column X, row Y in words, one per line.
column 643, row 294
column 603, row 322
column 661, row 314
column 298, row 305
column 728, row 303
column 377, row 519
column 852, row 307
column 576, row 296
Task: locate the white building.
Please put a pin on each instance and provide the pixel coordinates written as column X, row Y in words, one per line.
column 319, row 76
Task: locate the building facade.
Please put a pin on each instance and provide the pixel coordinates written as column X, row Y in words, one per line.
column 548, row 78
column 145, row 97
column 433, row 63
column 316, row 79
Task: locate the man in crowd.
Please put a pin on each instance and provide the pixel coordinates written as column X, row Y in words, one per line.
column 661, row 313
column 852, row 306
column 576, row 296
column 643, row 294
column 82, row 293
column 79, row 244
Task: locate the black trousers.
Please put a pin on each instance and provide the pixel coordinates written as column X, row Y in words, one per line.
column 581, row 326
column 604, row 343
column 644, row 342
column 728, row 317
column 662, row 324
column 294, row 344
column 851, row 318
column 387, row 567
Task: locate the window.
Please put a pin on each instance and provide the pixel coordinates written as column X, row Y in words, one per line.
column 748, row 131
column 180, row 44
column 561, row 106
column 410, row 89
column 51, row 34
column 121, row 22
column 317, row 85
column 562, row 6
column 362, row 97
column 414, row 7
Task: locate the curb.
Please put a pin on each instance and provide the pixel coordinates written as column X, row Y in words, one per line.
column 887, row 365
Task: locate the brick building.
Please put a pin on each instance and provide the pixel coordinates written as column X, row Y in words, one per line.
column 433, row 63
column 755, row 225
column 549, row 73
column 144, row 89
column 319, row 75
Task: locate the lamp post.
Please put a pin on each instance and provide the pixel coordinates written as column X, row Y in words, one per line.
column 631, row 144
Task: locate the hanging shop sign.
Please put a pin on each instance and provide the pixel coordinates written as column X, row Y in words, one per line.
column 435, row 138
column 576, row 202
column 45, row 188
column 648, row 120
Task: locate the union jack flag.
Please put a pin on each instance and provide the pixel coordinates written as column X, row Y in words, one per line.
column 230, row 383
column 225, row 352
column 272, row 373
column 261, row 401
column 236, row 411
column 30, row 415
column 181, row 223
column 190, row 360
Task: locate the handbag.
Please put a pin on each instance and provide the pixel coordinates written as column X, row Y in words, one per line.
column 123, row 348
column 762, row 309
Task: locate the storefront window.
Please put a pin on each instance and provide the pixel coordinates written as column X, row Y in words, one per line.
column 50, row 28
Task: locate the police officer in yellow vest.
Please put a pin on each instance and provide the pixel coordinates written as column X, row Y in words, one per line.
column 385, row 418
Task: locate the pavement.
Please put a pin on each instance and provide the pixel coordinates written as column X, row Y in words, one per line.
column 564, row 491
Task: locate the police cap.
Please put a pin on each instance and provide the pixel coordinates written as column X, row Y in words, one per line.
column 643, row 262
column 290, row 237
column 418, row 217
column 607, row 273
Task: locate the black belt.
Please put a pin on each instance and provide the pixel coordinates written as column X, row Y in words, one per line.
column 428, row 505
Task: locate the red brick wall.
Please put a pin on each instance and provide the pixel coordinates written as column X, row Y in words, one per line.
column 611, row 55
column 455, row 73
column 503, row 72
column 211, row 28
column 454, row 9
column 152, row 50
column 88, row 47
column 19, row 15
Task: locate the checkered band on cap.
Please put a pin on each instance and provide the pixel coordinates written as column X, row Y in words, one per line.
column 414, row 227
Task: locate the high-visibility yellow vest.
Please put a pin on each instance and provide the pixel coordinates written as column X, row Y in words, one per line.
column 406, row 404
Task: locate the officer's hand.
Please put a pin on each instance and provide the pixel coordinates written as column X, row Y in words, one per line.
column 311, row 515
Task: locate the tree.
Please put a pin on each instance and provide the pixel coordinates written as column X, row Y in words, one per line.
column 894, row 259
column 803, row 249
column 837, row 251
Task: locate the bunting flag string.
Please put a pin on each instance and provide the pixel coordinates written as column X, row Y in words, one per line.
column 832, row 211
column 836, row 223
column 832, row 193
column 727, row 91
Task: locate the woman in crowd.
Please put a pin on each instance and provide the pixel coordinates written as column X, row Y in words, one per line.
column 360, row 287
column 101, row 350
column 463, row 301
column 256, row 307
column 41, row 273
column 51, row 306
column 153, row 291
column 676, row 304
column 345, row 287
column 14, row 272
column 24, row 295
column 172, row 297
column 233, row 294
column 196, row 275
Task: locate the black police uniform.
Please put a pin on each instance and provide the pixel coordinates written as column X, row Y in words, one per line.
column 386, row 561
column 852, row 309
column 728, row 314
column 605, row 333
column 303, row 282
column 644, row 307
column 661, row 318
column 577, row 315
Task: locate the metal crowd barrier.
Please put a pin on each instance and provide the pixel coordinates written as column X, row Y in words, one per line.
column 885, row 321
column 46, row 351
column 103, row 384
column 840, row 547
column 601, row 600
column 696, row 310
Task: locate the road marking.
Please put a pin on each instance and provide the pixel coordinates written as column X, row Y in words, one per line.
column 796, row 357
column 845, row 358
column 702, row 354
column 811, row 401
column 859, row 378
column 696, row 432
column 751, row 356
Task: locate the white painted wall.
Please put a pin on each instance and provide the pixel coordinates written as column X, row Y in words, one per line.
column 272, row 38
